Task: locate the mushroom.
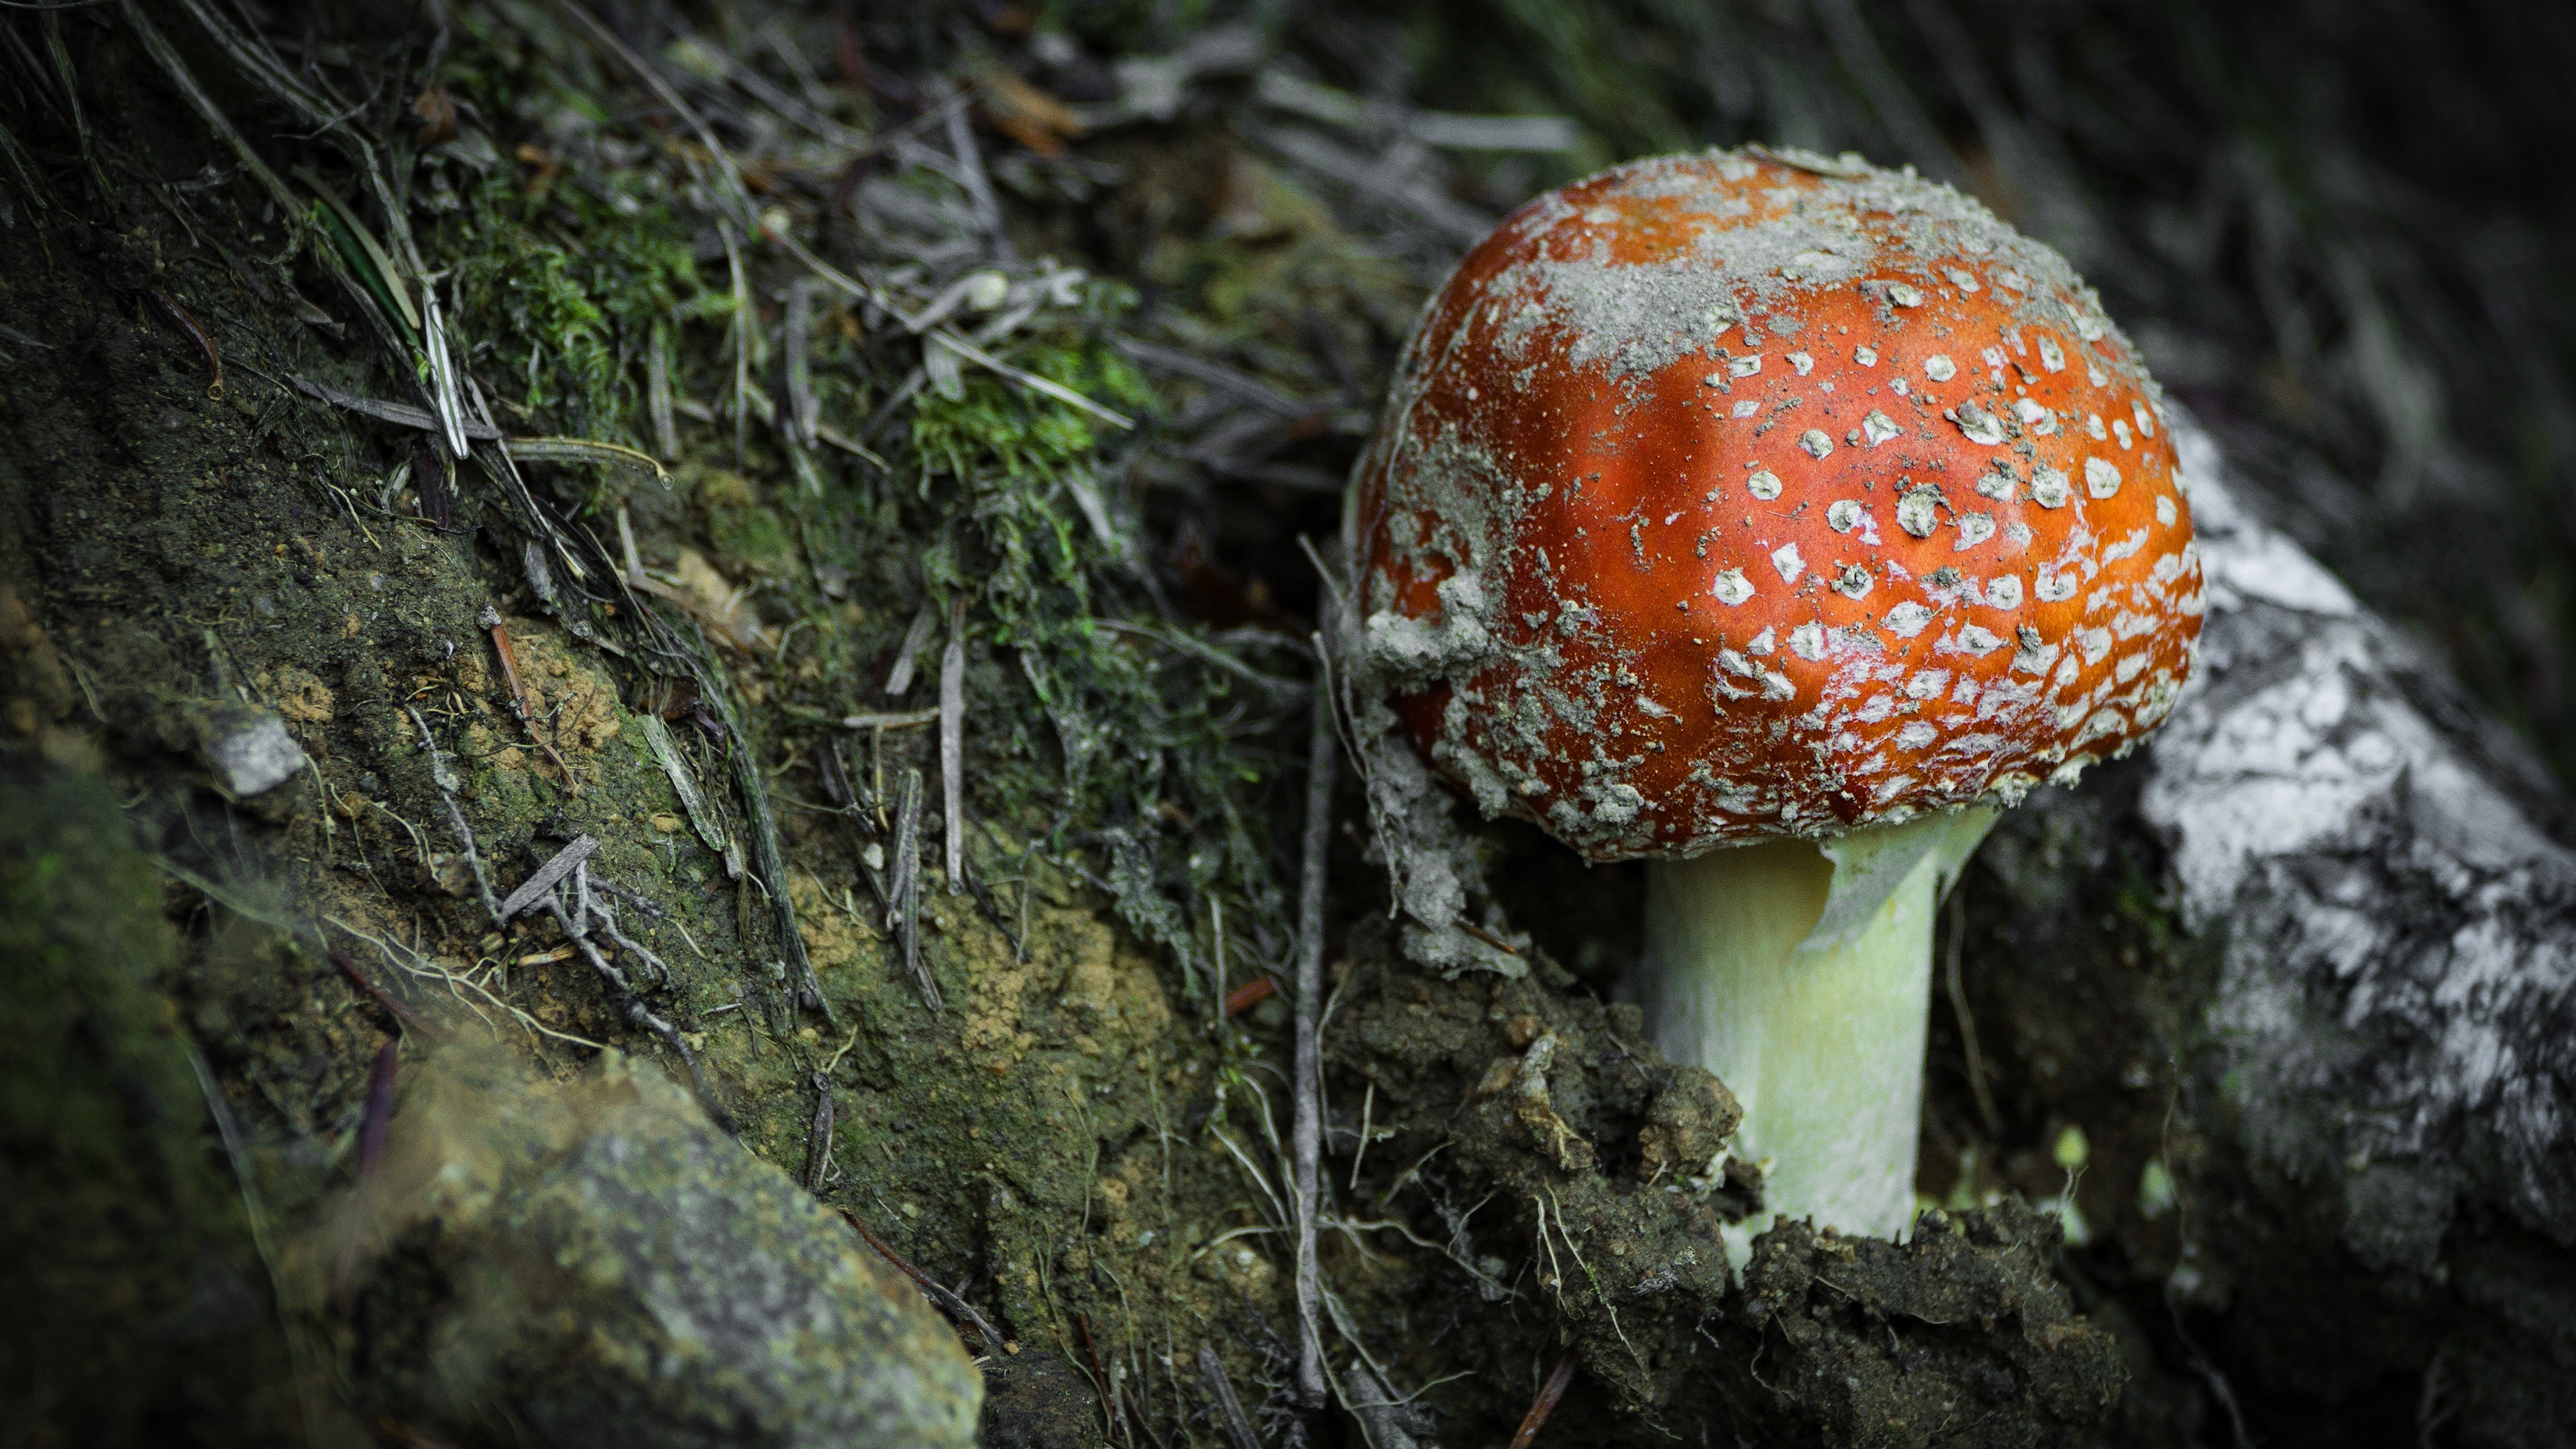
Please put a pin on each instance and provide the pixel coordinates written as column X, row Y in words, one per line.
column 1775, row 519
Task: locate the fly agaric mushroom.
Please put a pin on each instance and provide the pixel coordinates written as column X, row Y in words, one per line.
column 1775, row 519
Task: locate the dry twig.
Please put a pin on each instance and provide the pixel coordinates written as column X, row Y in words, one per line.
column 1545, row 1403
column 1306, row 1122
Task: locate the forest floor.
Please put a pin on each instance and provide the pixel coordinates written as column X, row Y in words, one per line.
column 772, row 550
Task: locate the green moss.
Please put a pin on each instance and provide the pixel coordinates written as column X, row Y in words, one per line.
column 562, row 259
column 756, row 536
column 1141, row 743
column 555, row 283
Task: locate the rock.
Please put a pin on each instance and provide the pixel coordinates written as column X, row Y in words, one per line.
column 248, row 749
column 1687, row 1124
column 597, row 1262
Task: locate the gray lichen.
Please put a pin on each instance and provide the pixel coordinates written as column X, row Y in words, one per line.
column 611, row 1269
column 2398, row 994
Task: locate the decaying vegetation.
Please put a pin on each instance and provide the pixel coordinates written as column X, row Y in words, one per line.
column 767, row 539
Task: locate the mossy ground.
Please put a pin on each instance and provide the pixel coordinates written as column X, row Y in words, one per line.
column 1054, row 1138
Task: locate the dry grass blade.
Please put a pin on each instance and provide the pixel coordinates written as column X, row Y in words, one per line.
column 952, row 747
column 399, row 414
column 605, row 40
column 380, row 266
column 443, row 393
column 176, row 71
column 766, row 856
column 657, row 390
column 1220, row 1390
column 693, row 802
column 797, row 329
column 584, row 450
column 547, row 876
column 898, row 681
column 261, row 65
column 300, row 1353
column 892, row 720
column 905, row 887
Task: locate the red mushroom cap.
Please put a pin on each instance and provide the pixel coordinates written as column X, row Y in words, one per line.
column 1746, row 494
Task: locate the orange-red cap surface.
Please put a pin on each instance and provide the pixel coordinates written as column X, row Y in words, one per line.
column 1734, row 494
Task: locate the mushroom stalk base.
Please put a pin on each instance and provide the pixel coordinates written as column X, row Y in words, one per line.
column 1817, row 1030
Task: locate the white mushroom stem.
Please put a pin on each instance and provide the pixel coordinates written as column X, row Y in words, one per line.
column 1801, row 975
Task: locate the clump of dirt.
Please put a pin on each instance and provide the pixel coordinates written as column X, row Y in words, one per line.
column 1960, row 1335
column 1584, row 1183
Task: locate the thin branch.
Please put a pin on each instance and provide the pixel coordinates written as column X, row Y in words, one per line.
column 1306, row 1129
column 949, row 1303
column 1545, row 1404
column 445, row 779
